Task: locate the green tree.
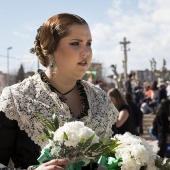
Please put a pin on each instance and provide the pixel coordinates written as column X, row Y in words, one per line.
column 21, row 74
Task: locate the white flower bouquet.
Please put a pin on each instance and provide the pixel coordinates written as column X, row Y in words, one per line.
column 73, row 141
column 134, row 153
column 82, row 146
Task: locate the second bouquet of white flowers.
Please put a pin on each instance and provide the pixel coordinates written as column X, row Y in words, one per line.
column 135, row 152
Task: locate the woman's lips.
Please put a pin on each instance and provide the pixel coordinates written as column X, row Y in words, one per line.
column 82, row 63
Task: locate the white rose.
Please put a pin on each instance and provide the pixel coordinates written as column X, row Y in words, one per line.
column 75, row 131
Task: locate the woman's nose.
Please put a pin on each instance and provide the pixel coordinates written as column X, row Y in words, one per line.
column 86, row 50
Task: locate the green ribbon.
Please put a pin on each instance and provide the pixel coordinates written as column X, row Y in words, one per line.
column 110, row 162
column 75, row 166
column 45, row 156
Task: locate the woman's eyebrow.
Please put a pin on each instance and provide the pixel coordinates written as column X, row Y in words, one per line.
column 76, row 39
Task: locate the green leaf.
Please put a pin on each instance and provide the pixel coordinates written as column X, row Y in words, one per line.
column 93, row 147
column 81, row 142
column 44, row 138
column 65, row 136
column 163, row 163
column 107, row 148
column 104, row 139
column 47, row 123
column 46, row 132
column 88, row 141
column 55, row 119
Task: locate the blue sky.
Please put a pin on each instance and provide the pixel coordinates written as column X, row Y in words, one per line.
column 145, row 23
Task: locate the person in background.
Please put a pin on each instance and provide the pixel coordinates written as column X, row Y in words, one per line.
column 162, row 93
column 99, row 83
column 145, row 106
column 138, row 93
column 154, row 96
column 63, row 46
column 128, row 85
column 124, row 120
column 154, row 90
column 148, row 91
column 161, row 126
column 90, row 79
column 168, row 89
column 136, row 114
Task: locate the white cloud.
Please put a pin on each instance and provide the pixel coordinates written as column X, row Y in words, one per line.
column 161, row 16
column 147, row 29
column 31, row 27
column 147, row 6
column 21, row 35
column 100, row 33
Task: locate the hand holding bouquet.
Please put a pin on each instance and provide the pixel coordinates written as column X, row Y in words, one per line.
column 73, row 141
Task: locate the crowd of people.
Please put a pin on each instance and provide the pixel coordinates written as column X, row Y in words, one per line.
column 153, row 98
column 139, row 99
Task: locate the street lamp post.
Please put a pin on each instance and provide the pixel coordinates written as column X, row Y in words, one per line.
column 9, row 48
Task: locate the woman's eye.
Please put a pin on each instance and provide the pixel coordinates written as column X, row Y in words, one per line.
column 89, row 44
column 74, row 43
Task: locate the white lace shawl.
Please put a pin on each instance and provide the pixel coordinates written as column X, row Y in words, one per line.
column 21, row 101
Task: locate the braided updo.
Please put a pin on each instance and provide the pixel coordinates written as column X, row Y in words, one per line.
column 51, row 32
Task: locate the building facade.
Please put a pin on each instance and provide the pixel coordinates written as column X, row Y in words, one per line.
column 12, row 79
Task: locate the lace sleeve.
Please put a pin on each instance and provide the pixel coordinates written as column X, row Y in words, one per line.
column 112, row 114
column 103, row 114
column 7, row 104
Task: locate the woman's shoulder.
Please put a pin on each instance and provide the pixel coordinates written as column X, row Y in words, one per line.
column 98, row 97
column 92, row 89
column 125, row 107
column 27, row 82
column 102, row 110
column 22, row 87
column 95, row 95
column 18, row 91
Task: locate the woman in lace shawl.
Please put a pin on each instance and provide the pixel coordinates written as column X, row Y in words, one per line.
column 63, row 46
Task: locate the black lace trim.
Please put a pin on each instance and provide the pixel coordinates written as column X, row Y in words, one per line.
column 82, row 93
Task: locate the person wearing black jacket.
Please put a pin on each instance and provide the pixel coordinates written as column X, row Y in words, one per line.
column 136, row 114
column 162, row 93
column 161, row 126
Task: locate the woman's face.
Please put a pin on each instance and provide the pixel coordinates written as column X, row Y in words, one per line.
column 113, row 100
column 73, row 54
